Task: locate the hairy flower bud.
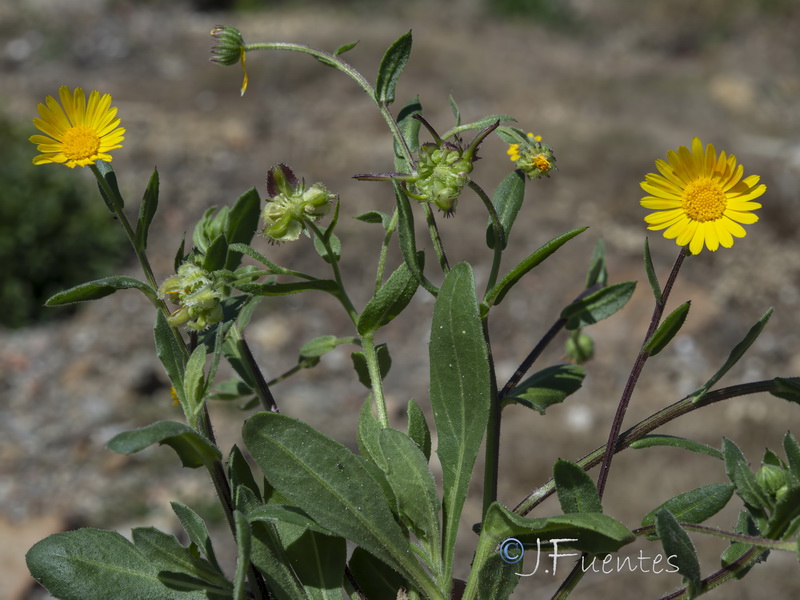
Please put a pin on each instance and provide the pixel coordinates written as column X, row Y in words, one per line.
column 771, row 479
column 291, row 205
column 197, row 294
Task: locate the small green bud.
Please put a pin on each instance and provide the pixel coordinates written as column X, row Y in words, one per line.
column 580, row 347
column 771, row 479
column 291, row 205
column 443, row 171
column 533, row 157
column 197, row 294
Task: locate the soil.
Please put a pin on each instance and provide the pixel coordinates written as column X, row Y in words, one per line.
column 611, row 90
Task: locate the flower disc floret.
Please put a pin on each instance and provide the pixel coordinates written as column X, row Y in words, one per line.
column 700, row 198
column 533, row 157
column 77, row 132
column 197, row 295
column 442, row 172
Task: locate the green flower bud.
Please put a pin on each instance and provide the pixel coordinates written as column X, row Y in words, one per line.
column 443, row 171
column 197, row 294
column 771, row 479
column 580, row 347
column 291, row 205
column 533, row 158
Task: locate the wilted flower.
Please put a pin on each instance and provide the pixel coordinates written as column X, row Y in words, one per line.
column 230, row 49
column 290, row 204
column 197, row 294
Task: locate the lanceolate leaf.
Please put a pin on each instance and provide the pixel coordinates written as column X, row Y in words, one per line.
column 507, row 201
column 409, row 129
column 667, row 330
column 599, row 305
column 499, row 291
column 147, row 211
column 547, row 387
column 577, row 493
column 694, row 506
column 242, row 224
column 393, row 63
column 677, row 442
column 193, row 449
column 293, row 287
column 418, row 429
column 90, row 564
column 407, row 239
column 651, row 272
column 389, row 301
column 679, row 548
column 100, row 288
column 332, row 485
column 787, row 388
column 460, row 389
column 196, row 529
column 737, row 353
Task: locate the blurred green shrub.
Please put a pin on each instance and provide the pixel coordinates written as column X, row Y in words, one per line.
column 54, row 231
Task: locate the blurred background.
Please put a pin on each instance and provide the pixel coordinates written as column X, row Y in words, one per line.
column 610, row 85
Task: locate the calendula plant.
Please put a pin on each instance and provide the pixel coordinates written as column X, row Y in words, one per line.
column 317, row 520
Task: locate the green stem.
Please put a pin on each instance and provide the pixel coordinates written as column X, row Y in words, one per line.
column 641, row 429
column 491, row 468
column 433, row 231
column 341, row 294
column 374, row 369
column 497, row 229
column 385, row 250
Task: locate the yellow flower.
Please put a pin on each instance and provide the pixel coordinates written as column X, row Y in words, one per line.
column 701, row 198
column 533, row 158
column 79, row 133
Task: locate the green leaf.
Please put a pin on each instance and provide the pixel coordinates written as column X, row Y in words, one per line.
column 694, row 506
column 577, row 493
column 413, row 485
column 497, row 578
column 368, row 435
column 460, row 391
column 280, row 513
column 455, row 109
column 345, row 48
column 242, row 224
column 746, row 526
column 292, row 287
column 477, row 125
column 737, row 353
column 547, row 387
column 792, row 450
column 679, row 547
column 100, row 288
column 375, row 216
column 197, row 531
column 193, row 449
column 597, row 273
column 194, row 380
column 507, row 200
column 216, row 253
column 91, row 564
column 499, row 291
column 594, row 533
column 319, row 561
column 393, row 63
column 739, row 473
column 649, row 441
column 375, row 579
column 599, row 305
column 179, row 255
column 332, row 485
column 788, row 388
column 407, row 238
column 107, row 173
column 651, row 272
column 147, row 211
column 389, row 301
column 269, row 557
column 312, row 350
column 786, row 511
column 239, row 472
column 172, row 353
column 166, row 553
column 418, row 429
column 667, row 329
column 409, row 129
column 335, row 247
column 360, row 364
column 243, row 549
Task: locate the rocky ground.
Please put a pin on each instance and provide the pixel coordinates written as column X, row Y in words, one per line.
column 611, row 93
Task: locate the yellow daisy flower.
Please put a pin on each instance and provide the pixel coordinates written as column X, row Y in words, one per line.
column 701, row 198
column 79, row 133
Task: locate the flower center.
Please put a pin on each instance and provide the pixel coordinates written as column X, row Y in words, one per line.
column 540, row 162
column 703, row 200
column 80, row 142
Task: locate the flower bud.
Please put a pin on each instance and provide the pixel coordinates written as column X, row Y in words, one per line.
column 197, row 294
column 533, row 157
column 580, row 347
column 291, row 205
column 771, row 479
